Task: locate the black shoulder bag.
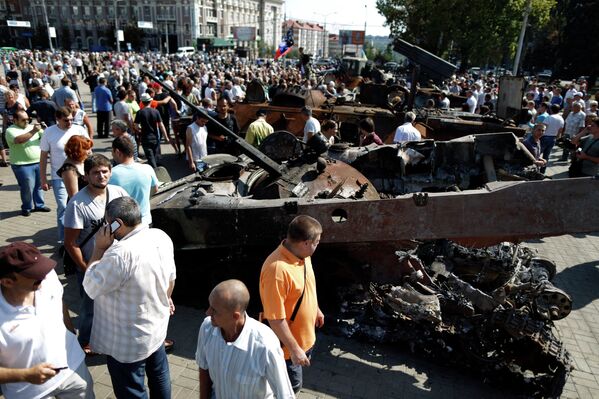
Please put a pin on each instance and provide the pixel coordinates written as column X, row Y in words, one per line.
column 68, row 263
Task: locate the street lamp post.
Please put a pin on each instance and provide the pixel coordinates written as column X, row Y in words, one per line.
column 47, row 25
column 324, row 35
column 116, row 27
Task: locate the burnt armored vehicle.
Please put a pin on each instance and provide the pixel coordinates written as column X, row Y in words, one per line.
column 386, row 104
column 242, row 204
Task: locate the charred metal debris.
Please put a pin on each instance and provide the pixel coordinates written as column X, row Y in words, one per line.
column 490, row 310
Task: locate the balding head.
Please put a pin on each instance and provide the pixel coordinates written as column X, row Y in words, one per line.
column 232, row 294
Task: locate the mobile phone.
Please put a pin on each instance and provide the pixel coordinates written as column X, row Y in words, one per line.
column 114, row 226
column 59, row 368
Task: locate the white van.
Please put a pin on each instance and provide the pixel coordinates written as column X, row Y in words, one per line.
column 185, row 51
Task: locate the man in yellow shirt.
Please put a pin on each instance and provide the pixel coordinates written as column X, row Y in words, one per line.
column 258, row 130
column 288, row 294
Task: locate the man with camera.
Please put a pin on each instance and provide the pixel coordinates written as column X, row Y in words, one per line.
column 587, row 153
column 24, row 143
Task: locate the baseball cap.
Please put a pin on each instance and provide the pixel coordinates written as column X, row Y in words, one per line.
column 578, row 93
column 25, row 259
column 155, row 85
column 146, row 98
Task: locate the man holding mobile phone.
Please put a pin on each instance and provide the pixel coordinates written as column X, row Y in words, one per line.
column 39, row 353
column 84, row 216
column 131, row 283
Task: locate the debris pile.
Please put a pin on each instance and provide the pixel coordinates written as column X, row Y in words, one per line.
column 489, row 309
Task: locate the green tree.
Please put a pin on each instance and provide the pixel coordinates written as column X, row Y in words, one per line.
column 476, row 31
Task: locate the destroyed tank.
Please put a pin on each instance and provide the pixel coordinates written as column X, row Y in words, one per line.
column 474, row 191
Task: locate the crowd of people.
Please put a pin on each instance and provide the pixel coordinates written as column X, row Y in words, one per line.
column 125, row 268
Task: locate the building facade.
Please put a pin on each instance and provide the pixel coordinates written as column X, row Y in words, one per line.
column 311, row 36
column 90, row 24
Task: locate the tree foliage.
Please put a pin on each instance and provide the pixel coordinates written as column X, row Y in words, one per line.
column 473, row 32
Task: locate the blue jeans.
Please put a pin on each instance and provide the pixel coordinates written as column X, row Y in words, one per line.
column 86, row 312
column 295, row 372
column 28, row 177
column 547, row 143
column 61, row 196
column 128, row 378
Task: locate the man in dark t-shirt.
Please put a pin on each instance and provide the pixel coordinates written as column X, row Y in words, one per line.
column 148, row 125
column 43, row 109
column 217, row 143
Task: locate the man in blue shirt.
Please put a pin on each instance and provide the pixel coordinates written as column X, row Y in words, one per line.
column 139, row 180
column 104, row 108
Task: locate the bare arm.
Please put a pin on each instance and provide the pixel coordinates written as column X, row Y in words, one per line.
column 88, row 125
column 37, row 374
column 188, row 152
column 43, row 167
column 70, row 179
column 68, row 323
column 205, row 384
column 70, row 236
column 23, row 138
column 281, row 328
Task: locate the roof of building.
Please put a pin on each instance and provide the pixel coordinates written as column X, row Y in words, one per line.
column 294, row 23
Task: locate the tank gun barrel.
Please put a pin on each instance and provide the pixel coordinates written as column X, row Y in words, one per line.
column 273, row 168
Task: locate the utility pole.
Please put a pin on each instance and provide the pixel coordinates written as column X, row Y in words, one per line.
column 47, row 25
column 521, row 39
column 116, row 28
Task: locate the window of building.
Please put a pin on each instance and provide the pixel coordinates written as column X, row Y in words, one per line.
column 86, row 10
column 75, row 10
column 100, row 12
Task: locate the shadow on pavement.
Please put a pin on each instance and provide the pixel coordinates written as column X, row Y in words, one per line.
column 389, row 370
column 585, row 277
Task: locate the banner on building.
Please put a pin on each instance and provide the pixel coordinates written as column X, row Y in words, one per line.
column 18, row 24
column 244, row 33
column 52, row 32
column 351, row 37
column 145, row 25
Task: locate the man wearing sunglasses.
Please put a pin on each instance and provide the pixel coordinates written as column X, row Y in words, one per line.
column 24, row 143
column 53, row 141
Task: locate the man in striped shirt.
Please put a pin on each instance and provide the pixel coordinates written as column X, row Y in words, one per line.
column 238, row 356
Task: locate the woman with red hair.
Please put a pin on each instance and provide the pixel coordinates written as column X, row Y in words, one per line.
column 71, row 172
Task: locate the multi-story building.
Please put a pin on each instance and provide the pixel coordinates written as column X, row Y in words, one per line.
column 335, row 49
column 311, row 36
column 89, row 24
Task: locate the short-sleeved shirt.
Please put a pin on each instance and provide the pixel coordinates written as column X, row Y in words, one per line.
column 25, row 153
column 85, row 213
column 312, row 126
column 281, row 285
column 53, row 141
column 122, row 111
column 103, row 99
column 137, row 179
column 30, row 335
column 148, row 119
column 533, row 146
column 129, row 286
column 554, row 123
column 258, row 131
column 574, row 122
column 45, row 110
column 590, row 146
column 252, row 366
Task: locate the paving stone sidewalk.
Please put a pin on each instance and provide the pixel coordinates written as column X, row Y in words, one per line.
column 344, row 368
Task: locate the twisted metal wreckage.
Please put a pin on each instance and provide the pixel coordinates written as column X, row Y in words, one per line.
column 490, row 308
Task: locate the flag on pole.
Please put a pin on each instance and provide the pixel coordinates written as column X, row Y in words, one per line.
column 285, row 45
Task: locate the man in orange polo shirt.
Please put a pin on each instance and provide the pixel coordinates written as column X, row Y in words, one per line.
column 287, row 276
